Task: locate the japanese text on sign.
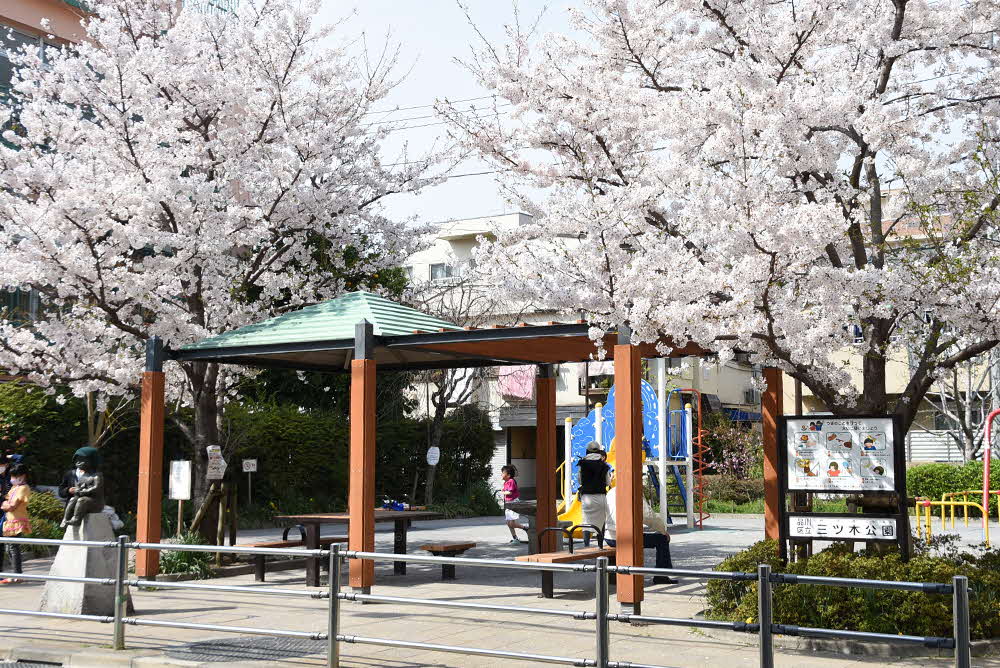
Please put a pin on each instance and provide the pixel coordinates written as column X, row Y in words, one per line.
column 840, row 454
column 848, row 527
column 216, row 464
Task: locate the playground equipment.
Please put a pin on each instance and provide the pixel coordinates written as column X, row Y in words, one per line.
column 670, row 439
column 925, row 527
column 948, row 502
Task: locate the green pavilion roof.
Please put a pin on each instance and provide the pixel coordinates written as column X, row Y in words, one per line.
column 329, row 321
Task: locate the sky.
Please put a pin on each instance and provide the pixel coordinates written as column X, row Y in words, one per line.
column 431, row 34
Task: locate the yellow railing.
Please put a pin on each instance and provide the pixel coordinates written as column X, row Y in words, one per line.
column 949, row 506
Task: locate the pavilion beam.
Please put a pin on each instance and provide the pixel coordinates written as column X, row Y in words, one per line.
column 545, row 456
column 361, row 495
column 628, row 474
column 147, row 562
column 771, row 406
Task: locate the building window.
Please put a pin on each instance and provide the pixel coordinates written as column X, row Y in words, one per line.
column 441, row 272
column 19, row 306
column 11, row 41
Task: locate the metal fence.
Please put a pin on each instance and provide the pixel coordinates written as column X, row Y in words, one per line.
column 766, row 627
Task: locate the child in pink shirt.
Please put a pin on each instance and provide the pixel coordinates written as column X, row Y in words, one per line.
column 511, row 494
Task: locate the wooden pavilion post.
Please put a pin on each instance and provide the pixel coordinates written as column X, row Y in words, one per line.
column 545, row 456
column 628, row 452
column 771, row 405
column 361, row 495
column 147, row 562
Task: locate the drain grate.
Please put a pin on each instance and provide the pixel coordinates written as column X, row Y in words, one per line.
column 247, row 649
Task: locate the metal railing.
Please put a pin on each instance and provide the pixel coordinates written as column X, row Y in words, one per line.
column 765, row 628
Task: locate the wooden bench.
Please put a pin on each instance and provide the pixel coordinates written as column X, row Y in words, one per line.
column 580, row 554
column 447, row 550
column 258, row 559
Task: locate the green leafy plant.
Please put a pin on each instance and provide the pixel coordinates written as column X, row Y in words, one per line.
column 45, row 506
column 477, row 501
column 42, row 528
column 933, row 480
column 194, row 563
column 730, row 489
column 876, row 611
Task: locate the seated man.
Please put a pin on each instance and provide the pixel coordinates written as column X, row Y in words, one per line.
column 654, row 535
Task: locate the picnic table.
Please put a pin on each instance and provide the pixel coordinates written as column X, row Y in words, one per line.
column 312, row 523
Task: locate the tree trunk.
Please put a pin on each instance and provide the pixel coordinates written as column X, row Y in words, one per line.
column 437, row 434
column 204, row 430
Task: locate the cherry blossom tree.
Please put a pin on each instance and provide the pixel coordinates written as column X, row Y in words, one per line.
column 183, row 172
column 781, row 177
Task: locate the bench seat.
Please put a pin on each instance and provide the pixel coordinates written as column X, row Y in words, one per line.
column 581, row 554
column 447, row 550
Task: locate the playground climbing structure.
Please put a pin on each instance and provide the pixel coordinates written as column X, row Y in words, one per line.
column 673, row 447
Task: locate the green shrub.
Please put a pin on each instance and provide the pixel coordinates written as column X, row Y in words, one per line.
column 194, row 563
column 43, row 528
column 864, row 609
column 42, row 505
column 734, row 490
column 933, row 480
column 477, row 501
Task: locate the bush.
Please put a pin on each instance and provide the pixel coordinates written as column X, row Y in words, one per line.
column 478, row 500
column 734, row 490
column 43, row 528
column 933, row 480
column 194, row 563
column 873, row 611
column 42, row 505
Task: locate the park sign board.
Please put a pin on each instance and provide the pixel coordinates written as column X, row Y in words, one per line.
column 838, row 454
column 836, row 526
column 842, row 454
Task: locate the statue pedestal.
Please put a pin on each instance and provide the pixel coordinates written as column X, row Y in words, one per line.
column 91, row 562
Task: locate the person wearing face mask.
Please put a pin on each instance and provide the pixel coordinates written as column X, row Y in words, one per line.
column 16, row 523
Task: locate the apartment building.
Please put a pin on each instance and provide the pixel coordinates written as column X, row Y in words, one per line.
column 21, row 23
column 446, row 283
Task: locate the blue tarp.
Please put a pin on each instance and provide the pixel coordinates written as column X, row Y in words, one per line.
column 736, row 415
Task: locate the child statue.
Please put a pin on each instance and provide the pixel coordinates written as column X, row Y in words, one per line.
column 87, row 496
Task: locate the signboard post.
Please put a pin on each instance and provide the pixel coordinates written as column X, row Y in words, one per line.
column 249, row 467
column 842, row 455
column 180, row 487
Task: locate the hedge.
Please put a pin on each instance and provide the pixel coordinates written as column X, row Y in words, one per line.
column 874, row 611
column 933, row 480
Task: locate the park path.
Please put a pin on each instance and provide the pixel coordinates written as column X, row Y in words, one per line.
column 77, row 644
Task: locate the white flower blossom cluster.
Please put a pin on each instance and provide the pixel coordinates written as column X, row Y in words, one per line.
column 781, row 177
column 182, row 173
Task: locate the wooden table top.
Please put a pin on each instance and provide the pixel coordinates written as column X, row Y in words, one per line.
column 380, row 516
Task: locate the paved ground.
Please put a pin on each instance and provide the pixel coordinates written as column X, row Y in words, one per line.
column 60, row 641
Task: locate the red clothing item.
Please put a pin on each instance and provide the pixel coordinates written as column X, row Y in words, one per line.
column 510, row 492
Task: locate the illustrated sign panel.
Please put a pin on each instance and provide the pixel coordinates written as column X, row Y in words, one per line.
column 846, row 527
column 832, row 454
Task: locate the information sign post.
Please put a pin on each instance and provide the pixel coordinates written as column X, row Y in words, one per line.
column 249, row 467
column 842, row 455
column 180, row 488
